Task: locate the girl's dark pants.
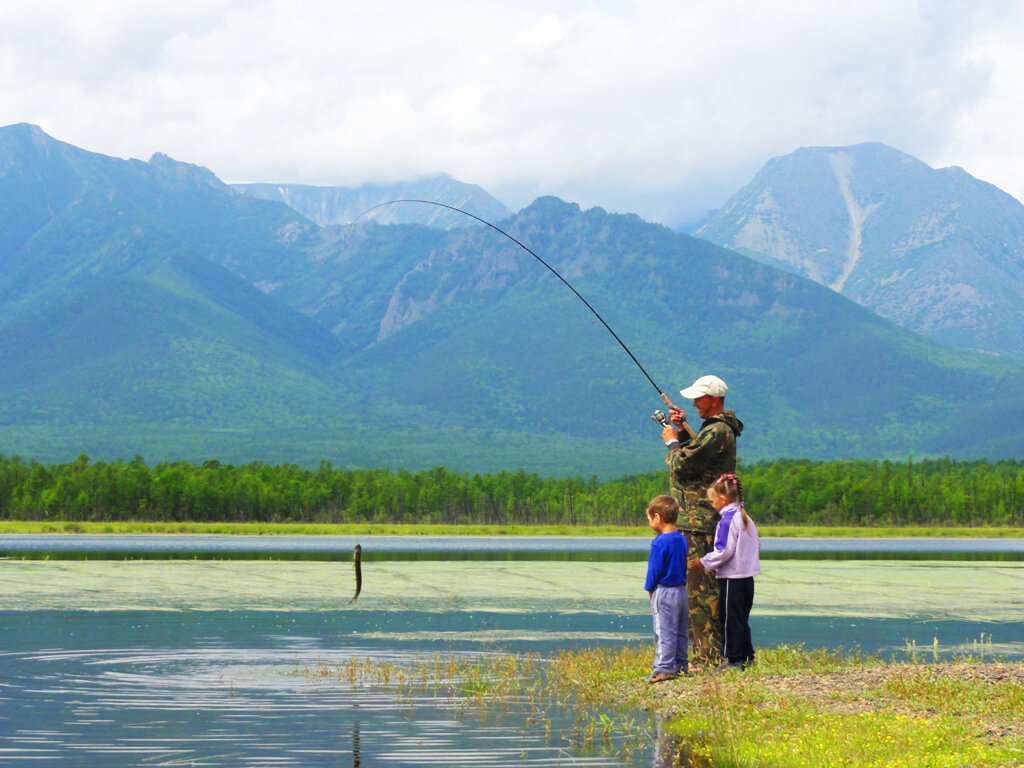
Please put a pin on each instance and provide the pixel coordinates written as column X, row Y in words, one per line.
column 735, row 599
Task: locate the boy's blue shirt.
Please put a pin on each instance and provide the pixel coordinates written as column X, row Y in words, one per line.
column 666, row 566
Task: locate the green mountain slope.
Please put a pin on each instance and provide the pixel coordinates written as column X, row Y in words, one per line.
column 811, row 373
column 50, row 193
column 147, row 308
column 161, row 361
column 117, row 338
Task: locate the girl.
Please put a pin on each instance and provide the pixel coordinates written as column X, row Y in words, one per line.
column 735, row 561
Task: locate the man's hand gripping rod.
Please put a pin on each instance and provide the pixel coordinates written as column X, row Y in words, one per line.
column 661, row 418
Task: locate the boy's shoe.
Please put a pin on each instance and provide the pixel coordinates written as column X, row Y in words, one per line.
column 727, row 665
column 661, row 677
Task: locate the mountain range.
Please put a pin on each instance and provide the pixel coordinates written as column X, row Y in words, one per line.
column 343, row 205
column 935, row 250
column 148, row 308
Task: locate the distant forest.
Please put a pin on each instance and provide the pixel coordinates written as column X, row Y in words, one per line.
column 931, row 492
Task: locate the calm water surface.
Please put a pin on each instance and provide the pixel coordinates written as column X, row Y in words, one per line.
column 229, row 689
column 504, row 547
column 159, row 663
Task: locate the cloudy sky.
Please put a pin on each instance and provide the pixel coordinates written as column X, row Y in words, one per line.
column 659, row 108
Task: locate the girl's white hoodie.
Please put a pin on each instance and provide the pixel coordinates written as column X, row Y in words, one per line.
column 737, row 551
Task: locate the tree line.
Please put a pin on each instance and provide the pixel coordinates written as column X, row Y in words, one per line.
column 929, row 492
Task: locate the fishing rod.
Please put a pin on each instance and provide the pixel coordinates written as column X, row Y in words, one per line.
column 550, row 268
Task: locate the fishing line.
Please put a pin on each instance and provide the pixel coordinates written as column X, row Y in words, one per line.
column 538, row 258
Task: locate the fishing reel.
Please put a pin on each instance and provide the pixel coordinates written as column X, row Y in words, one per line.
column 659, row 417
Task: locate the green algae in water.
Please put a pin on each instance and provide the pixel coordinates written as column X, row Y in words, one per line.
column 986, row 591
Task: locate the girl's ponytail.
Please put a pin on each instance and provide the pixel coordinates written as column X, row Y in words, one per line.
column 730, row 486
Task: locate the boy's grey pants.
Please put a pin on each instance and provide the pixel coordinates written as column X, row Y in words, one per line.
column 670, row 608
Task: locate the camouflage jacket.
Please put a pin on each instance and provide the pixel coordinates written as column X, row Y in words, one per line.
column 696, row 463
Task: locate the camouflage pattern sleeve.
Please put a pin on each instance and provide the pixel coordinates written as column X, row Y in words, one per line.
column 689, row 461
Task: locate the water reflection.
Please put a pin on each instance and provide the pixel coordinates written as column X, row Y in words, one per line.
column 226, row 688
column 253, row 707
column 664, row 750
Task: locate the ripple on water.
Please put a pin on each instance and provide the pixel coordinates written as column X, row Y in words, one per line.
column 252, row 707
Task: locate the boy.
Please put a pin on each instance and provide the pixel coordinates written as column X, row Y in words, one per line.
column 666, row 585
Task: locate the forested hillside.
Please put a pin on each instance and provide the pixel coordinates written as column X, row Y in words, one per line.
column 148, row 308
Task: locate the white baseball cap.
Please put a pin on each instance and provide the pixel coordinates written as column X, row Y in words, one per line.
column 705, row 385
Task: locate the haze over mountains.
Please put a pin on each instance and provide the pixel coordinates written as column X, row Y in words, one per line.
column 146, row 307
column 937, row 251
column 342, row 205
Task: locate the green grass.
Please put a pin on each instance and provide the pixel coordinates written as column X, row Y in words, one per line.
column 784, row 733
column 316, row 529
column 927, row 690
column 378, row 529
column 798, row 709
column 890, row 532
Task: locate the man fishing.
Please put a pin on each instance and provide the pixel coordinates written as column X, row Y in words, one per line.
column 694, row 461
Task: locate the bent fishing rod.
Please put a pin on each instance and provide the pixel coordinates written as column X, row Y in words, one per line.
column 553, row 271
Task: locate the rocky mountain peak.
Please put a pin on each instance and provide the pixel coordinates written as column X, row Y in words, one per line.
column 185, row 171
column 934, row 250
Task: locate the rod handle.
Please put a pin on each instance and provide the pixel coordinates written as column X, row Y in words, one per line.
column 686, row 425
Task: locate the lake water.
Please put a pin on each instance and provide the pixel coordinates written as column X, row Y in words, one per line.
column 127, row 662
column 451, row 547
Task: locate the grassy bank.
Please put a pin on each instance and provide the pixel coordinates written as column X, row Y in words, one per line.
column 376, row 529
column 797, row 708
column 800, row 708
column 794, row 709
column 317, row 529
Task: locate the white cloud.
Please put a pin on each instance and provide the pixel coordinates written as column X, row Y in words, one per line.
column 663, row 108
column 984, row 140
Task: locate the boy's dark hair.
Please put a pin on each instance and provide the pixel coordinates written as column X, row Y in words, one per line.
column 665, row 507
